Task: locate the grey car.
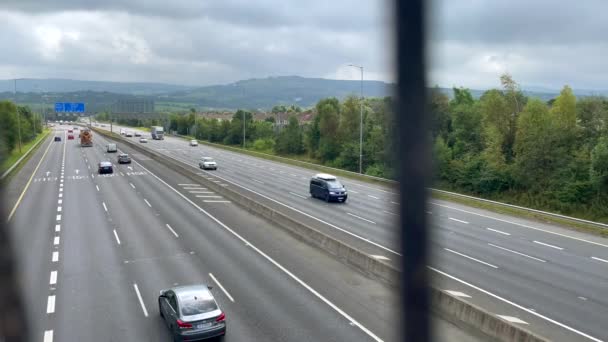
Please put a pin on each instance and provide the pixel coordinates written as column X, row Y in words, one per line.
column 191, row 313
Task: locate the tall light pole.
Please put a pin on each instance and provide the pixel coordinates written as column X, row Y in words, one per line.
column 360, row 121
column 18, row 115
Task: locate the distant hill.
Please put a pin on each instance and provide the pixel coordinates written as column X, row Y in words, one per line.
column 55, row 85
column 268, row 92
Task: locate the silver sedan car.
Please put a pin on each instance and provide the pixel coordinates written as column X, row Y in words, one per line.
column 191, row 313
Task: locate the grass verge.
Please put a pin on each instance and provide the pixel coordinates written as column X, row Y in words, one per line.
column 15, row 155
column 577, row 226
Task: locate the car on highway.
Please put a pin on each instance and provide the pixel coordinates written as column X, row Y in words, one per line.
column 105, row 167
column 75, row 128
column 143, row 140
column 102, row 125
column 57, row 138
column 207, row 163
column 128, row 134
column 124, row 158
column 70, row 136
column 70, row 131
column 122, row 131
column 191, row 313
column 193, row 142
column 327, row 187
column 137, row 134
column 111, row 148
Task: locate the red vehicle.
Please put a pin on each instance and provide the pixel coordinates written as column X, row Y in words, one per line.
column 70, row 136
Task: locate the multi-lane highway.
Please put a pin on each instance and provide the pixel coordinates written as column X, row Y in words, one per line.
column 552, row 280
column 94, row 251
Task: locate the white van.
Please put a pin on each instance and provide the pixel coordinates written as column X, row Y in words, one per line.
column 112, row 148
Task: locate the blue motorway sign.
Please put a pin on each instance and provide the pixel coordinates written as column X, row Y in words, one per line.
column 69, row 107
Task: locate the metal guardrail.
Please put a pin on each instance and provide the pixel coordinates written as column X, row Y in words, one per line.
column 569, row 218
column 10, row 169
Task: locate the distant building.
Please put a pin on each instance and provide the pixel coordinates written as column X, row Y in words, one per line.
column 133, row 106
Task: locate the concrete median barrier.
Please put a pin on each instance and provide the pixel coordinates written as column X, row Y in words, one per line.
column 453, row 309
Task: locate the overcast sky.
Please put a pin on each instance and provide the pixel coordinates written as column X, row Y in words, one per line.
column 198, row 42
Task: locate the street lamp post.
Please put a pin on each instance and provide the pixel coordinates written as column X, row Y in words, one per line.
column 360, row 121
column 18, row 115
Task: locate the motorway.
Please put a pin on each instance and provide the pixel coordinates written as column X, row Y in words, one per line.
column 551, row 280
column 95, row 250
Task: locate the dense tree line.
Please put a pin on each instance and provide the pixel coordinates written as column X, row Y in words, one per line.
column 332, row 137
column 509, row 147
column 15, row 119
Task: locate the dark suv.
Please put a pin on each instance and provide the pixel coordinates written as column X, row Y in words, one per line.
column 327, row 187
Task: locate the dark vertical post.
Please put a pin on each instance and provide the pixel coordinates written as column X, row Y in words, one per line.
column 414, row 166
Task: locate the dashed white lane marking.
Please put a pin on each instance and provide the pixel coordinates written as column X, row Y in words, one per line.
column 59, row 209
column 53, row 278
column 498, row 231
column 512, row 319
column 457, row 220
column 104, row 206
column 361, row 218
column 122, row 174
column 200, row 192
column 293, row 193
column 211, row 201
column 48, row 336
column 374, row 197
column 457, row 294
column 58, row 218
column 397, row 203
column 380, row 257
column 257, row 181
column 60, row 201
column 148, row 203
column 582, row 298
column 172, row 231
column 131, row 184
column 89, row 166
column 195, row 188
column 388, row 212
column 548, row 245
column 515, row 252
column 353, row 191
column 57, row 227
column 208, row 196
column 599, row 259
column 141, row 301
column 97, row 187
column 56, row 240
column 50, row 305
column 221, row 287
column 468, row 257
column 60, row 195
column 60, row 189
column 116, row 236
column 188, row 184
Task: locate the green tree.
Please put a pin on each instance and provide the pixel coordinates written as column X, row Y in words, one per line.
column 329, row 142
column 312, row 137
column 599, row 166
column 8, row 127
column 289, row 140
column 564, row 109
column 439, row 109
column 467, row 124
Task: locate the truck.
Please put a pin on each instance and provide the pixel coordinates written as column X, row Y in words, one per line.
column 157, row 132
column 86, row 137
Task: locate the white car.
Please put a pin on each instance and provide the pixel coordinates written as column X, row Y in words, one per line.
column 128, row 134
column 122, row 132
column 143, row 140
column 207, row 163
column 193, row 142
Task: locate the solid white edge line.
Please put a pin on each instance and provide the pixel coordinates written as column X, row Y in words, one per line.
column 521, row 225
column 299, row 211
column 469, row 257
column 457, row 220
column 53, row 278
column 116, row 236
column 498, row 231
column 221, row 287
column 599, row 259
column 515, row 305
column 148, row 203
column 172, row 231
column 548, row 245
column 50, row 304
column 515, row 252
column 279, row 266
column 141, row 301
column 361, row 218
column 48, row 336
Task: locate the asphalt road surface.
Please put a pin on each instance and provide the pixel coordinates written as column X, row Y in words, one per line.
column 94, row 251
